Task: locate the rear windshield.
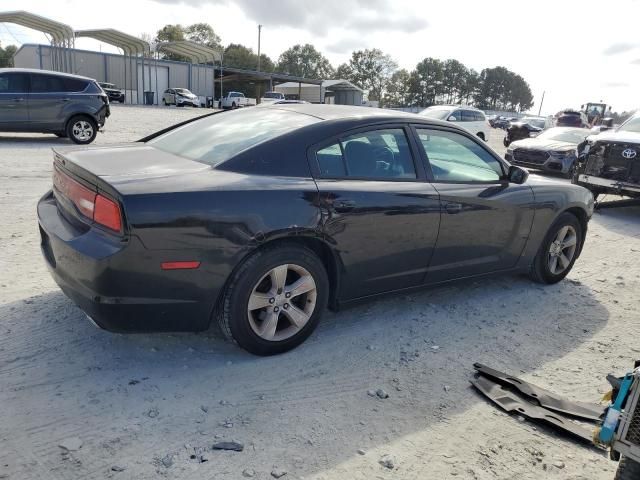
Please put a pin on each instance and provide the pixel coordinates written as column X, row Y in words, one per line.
column 219, row 137
column 439, row 113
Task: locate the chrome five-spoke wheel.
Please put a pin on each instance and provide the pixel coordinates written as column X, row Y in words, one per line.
column 562, row 250
column 282, row 302
column 82, row 130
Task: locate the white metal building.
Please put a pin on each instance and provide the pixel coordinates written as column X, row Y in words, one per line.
column 341, row 92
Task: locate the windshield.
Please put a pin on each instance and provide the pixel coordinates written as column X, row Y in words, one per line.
column 107, row 85
column 570, row 135
column 631, row 125
column 182, row 91
column 439, row 113
column 217, row 138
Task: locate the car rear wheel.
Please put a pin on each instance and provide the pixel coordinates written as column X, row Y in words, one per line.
column 275, row 300
column 82, row 129
column 628, row 469
column 559, row 250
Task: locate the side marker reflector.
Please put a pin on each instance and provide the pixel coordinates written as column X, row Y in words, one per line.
column 179, row 265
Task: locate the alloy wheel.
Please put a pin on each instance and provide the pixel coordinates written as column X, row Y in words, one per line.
column 82, row 130
column 282, row 302
column 562, row 250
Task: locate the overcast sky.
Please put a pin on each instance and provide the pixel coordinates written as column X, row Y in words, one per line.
column 576, row 51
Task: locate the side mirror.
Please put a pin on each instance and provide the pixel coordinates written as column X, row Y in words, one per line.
column 452, row 118
column 517, row 175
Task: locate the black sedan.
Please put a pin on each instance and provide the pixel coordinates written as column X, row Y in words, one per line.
column 554, row 150
column 258, row 219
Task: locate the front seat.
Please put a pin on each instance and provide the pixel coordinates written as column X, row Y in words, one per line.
column 360, row 158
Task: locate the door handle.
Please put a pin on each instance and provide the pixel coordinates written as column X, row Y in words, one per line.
column 453, row 208
column 344, row 205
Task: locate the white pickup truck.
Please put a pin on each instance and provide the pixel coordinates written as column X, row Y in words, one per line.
column 236, row 100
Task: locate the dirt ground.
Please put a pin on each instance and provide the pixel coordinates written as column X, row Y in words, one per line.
column 151, row 406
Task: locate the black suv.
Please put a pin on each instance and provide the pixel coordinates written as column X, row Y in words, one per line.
column 113, row 92
column 51, row 102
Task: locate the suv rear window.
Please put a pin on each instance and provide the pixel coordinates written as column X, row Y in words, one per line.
column 53, row 84
column 219, row 137
column 13, row 83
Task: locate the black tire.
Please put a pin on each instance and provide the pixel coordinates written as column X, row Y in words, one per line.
column 540, row 269
column 232, row 312
column 164, row 102
column 506, row 142
column 233, row 105
column 628, row 469
column 481, row 136
column 82, row 138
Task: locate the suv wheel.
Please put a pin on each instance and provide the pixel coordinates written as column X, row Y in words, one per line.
column 82, row 129
column 275, row 300
column 559, row 250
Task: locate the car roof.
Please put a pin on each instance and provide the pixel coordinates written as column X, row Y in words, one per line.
column 337, row 112
column 48, row 72
column 453, row 107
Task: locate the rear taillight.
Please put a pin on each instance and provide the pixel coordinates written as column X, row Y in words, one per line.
column 107, row 213
column 89, row 203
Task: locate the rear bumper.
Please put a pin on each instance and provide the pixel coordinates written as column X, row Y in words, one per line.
column 609, row 186
column 119, row 284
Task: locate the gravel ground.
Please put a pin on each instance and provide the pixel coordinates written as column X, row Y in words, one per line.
column 152, row 406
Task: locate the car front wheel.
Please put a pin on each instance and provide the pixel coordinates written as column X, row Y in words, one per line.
column 559, row 250
column 275, row 300
column 82, row 129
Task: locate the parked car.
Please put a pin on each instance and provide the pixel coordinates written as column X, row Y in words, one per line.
column 271, row 97
column 257, row 219
column 469, row 118
column 51, row 102
column 610, row 161
column 500, row 122
column 113, row 92
column 523, row 128
column 571, row 118
column 180, row 97
column 233, row 100
column 554, row 150
column 491, row 119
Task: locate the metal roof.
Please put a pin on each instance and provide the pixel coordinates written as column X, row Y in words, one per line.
column 194, row 51
column 128, row 43
column 332, row 85
column 231, row 73
column 60, row 32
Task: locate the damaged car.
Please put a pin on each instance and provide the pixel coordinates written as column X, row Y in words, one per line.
column 554, row 150
column 609, row 163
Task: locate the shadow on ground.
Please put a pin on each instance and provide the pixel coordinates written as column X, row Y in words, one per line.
column 136, row 399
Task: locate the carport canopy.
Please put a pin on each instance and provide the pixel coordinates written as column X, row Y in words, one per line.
column 128, row 43
column 193, row 51
column 59, row 32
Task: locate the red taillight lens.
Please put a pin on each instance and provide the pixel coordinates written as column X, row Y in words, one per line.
column 82, row 197
column 92, row 205
column 107, row 213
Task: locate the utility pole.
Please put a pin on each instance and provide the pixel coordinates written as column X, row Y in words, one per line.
column 258, row 84
column 259, row 34
column 541, row 102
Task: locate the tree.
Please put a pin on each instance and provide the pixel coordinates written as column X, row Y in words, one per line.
column 203, row 34
column 499, row 88
column 171, row 33
column 6, row 55
column 398, row 91
column 239, row 56
column 370, row 69
column 427, row 84
column 305, row 61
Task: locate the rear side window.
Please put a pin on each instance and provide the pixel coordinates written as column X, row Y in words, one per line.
column 479, row 116
column 468, row 116
column 13, row 83
column 55, row 84
column 456, row 158
column 219, row 137
column 376, row 155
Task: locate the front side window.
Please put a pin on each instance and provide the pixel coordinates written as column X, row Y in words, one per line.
column 217, row 138
column 376, row 154
column 13, row 83
column 468, row 116
column 456, row 158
